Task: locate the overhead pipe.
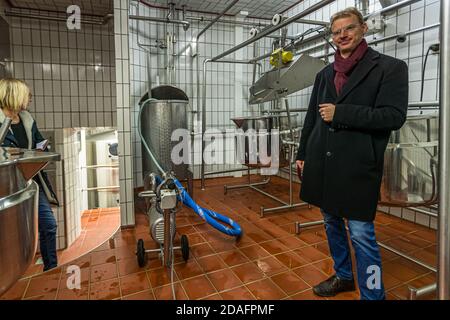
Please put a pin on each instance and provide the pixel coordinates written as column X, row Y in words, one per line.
column 300, row 35
column 102, row 21
column 151, row 5
column 209, row 25
column 233, row 22
column 271, row 30
column 195, row 54
column 253, row 24
column 185, row 24
column 376, row 41
column 320, row 35
column 443, row 275
column 397, row 5
column 145, row 47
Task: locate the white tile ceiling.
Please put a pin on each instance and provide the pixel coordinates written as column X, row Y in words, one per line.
column 88, row 7
column 256, row 8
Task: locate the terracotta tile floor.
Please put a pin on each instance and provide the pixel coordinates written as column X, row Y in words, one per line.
column 97, row 226
column 268, row 262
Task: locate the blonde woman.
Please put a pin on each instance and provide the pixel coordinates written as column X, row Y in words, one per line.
column 15, row 97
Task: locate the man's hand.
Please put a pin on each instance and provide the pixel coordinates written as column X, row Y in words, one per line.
column 327, row 111
column 300, row 164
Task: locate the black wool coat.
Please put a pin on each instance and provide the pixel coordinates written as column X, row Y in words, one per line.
column 344, row 159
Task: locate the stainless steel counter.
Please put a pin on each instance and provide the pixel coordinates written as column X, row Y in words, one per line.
column 19, row 210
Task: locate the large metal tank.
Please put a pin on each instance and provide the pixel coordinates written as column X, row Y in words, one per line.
column 410, row 163
column 18, row 224
column 18, row 211
column 164, row 113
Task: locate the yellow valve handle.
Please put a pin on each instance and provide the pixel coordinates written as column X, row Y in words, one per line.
column 286, row 57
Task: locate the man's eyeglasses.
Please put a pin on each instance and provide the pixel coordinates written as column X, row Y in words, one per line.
column 349, row 28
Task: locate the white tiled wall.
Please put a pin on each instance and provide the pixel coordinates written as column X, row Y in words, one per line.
column 124, row 110
column 71, row 74
column 71, row 144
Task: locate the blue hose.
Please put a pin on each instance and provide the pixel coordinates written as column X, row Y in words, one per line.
column 206, row 214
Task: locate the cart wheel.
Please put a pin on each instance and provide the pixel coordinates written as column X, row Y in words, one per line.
column 185, row 247
column 140, row 252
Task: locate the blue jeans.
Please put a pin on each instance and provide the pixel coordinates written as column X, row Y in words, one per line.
column 47, row 233
column 368, row 259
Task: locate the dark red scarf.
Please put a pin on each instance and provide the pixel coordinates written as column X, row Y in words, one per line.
column 344, row 66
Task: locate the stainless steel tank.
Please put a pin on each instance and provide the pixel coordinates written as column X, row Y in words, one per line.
column 265, row 123
column 18, row 211
column 160, row 117
column 410, row 163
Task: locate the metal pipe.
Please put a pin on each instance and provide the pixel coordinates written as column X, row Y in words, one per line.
column 443, row 276
column 322, row 34
column 167, row 238
column 233, row 22
column 394, row 6
column 205, row 62
column 268, row 31
column 290, row 46
column 202, row 168
column 435, row 25
column 269, row 195
column 196, row 54
column 431, row 214
column 220, row 15
column 387, row 38
column 423, row 104
column 405, row 256
column 50, row 18
column 101, row 166
column 102, row 188
column 185, row 24
column 299, row 225
column 291, row 110
column 4, row 129
column 255, row 50
column 415, row 293
column 225, row 171
column 288, row 206
column 314, row 22
column 248, row 185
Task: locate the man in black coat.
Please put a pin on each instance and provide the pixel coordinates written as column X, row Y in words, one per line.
column 355, row 104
